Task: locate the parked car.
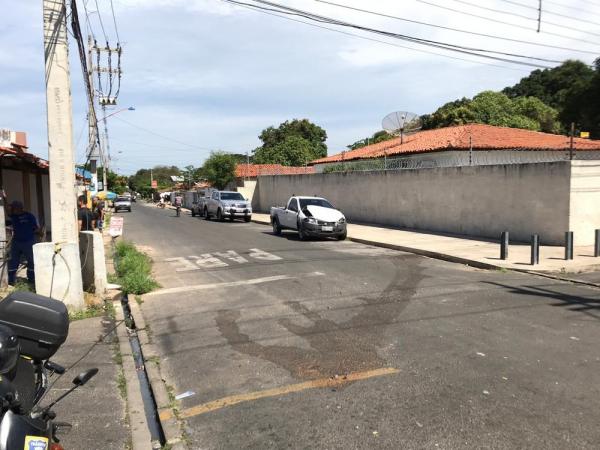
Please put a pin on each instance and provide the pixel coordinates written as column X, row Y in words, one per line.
column 202, row 198
column 122, row 202
column 310, row 216
column 229, row 204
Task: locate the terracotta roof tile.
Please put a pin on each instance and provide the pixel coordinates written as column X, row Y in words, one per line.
column 483, row 137
column 254, row 170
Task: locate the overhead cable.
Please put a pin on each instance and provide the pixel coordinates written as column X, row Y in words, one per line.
column 458, row 30
column 499, row 11
column 510, row 24
column 482, row 53
column 552, row 13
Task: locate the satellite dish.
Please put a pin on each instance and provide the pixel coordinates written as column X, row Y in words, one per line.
column 400, row 123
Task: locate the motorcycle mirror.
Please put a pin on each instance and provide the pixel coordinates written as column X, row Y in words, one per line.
column 84, row 377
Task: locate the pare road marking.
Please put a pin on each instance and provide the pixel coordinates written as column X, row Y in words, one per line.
column 218, row 259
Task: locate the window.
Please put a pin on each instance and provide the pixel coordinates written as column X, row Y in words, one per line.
column 293, row 205
column 215, row 196
column 304, row 202
column 231, row 196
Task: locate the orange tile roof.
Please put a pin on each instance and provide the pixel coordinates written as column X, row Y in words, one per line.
column 482, row 137
column 254, row 170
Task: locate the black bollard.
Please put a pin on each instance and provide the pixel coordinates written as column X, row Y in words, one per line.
column 568, row 245
column 535, row 249
column 504, row 245
column 597, row 244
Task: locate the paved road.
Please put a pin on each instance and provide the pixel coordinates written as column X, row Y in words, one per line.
column 322, row 345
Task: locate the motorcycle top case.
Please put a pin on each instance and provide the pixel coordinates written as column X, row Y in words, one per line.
column 41, row 323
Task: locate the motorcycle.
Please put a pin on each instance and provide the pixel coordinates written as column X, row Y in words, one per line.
column 32, row 329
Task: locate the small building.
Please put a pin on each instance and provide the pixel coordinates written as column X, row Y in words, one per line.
column 462, row 145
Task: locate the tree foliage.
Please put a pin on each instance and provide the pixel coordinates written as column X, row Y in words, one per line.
column 293, row 143
column 377, row 137
column 219, row 169
column 496, row 108
column 140, row 181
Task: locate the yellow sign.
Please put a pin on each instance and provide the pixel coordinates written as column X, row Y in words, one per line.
column 584, row 134
column 36, row 443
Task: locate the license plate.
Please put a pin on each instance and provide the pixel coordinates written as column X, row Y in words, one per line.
column 327, row 228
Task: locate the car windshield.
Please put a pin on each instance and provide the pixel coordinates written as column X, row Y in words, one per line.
column 304, row 202
column 231, row 196
column 122, row 199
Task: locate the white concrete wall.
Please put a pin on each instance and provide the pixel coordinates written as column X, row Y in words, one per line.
column 477, row 201
column 585, row 201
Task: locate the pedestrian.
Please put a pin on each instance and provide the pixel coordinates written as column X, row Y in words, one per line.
column 98, row 211
column 85, row 217
column 24, row 228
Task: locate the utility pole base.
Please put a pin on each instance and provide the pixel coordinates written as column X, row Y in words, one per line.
column 58, row 272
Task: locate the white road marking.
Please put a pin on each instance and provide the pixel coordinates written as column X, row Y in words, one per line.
column 257, row 253
column 207, row 261
column 185, row 265
column 233, row 256
column 201, row 287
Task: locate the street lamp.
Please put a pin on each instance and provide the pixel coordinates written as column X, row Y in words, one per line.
column 107, row 153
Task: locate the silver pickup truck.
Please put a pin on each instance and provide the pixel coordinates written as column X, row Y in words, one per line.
column 310, row 216
column 228, row 204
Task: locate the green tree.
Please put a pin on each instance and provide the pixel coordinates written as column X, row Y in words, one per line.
column 162, row 174
column 377, row 137
column 294, row 142
column 219, row 169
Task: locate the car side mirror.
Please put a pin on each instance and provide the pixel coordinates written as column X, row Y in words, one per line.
column 84, row 377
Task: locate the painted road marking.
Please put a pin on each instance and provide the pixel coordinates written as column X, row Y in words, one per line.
column 200, row 287
column 284, row 390
column 211, row 261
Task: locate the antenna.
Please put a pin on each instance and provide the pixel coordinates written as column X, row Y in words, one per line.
column 401, row 123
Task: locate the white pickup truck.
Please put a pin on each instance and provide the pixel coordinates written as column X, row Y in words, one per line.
column 310, row 216
column 228, row 204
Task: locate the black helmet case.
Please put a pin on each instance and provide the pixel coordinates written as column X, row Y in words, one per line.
column 9, row 349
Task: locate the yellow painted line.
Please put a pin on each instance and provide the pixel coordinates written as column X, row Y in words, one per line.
column 284, row 390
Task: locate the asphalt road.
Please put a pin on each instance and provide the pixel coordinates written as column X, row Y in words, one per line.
column 326, row 344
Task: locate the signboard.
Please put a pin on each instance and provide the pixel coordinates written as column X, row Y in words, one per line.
column 584, row 134
column 116, row 226
column 154, row 184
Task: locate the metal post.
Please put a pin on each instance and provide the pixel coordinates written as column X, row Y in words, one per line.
column 597, row 244
column 535, row 249
column 504, row 245
column 568, row 245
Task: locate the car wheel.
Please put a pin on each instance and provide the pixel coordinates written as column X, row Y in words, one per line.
column 206, row 214
column 301, row 233
column 193, row 212
column 276, row 227
column 247, row 219
column 219, row 215
column 343, row 236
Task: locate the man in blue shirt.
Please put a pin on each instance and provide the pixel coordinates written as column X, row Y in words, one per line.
column 24, row 226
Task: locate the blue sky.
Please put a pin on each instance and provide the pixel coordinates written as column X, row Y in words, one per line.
column 211, row 76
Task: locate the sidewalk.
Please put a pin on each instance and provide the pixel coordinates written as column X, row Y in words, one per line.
column 96, row 410
column 480, row 253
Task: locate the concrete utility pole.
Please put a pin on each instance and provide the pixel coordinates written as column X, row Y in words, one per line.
column 60, row 126
column 63, row 207
column 92, row 148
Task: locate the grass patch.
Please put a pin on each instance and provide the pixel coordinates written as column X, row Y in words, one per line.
column 23, row 285
column 133, row 269
column 89, row 312
column 122, row 384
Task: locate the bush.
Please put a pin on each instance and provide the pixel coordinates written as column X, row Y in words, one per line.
column 134, row 269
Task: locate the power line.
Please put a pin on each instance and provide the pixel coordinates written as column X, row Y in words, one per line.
column 101, row 22
column 346, row 33
column 457, row 29
column 514, row 25
column 482, row 53
column 553, row 13
column 499, row 11
column 112, row 8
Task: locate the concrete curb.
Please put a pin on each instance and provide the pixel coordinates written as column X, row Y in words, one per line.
column 172, row 428
column 459, row 260
column 140, row 433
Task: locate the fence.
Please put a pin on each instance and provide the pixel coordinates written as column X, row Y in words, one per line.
column 459, row 158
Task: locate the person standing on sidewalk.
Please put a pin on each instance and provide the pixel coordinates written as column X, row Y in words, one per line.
column 98, row 210
column 24, row 228
column 85, row 217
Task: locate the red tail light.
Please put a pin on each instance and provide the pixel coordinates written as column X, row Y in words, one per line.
column 56, row 447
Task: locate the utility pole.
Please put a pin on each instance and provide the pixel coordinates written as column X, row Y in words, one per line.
column 92, row 130
column 60, row 123
column 61, row 274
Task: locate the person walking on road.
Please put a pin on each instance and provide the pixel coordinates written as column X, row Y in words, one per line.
column 178, row 202
column 24, row 228
column 85, row 217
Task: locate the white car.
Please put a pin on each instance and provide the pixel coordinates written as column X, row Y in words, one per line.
column 122, row 203
column 310, row 216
